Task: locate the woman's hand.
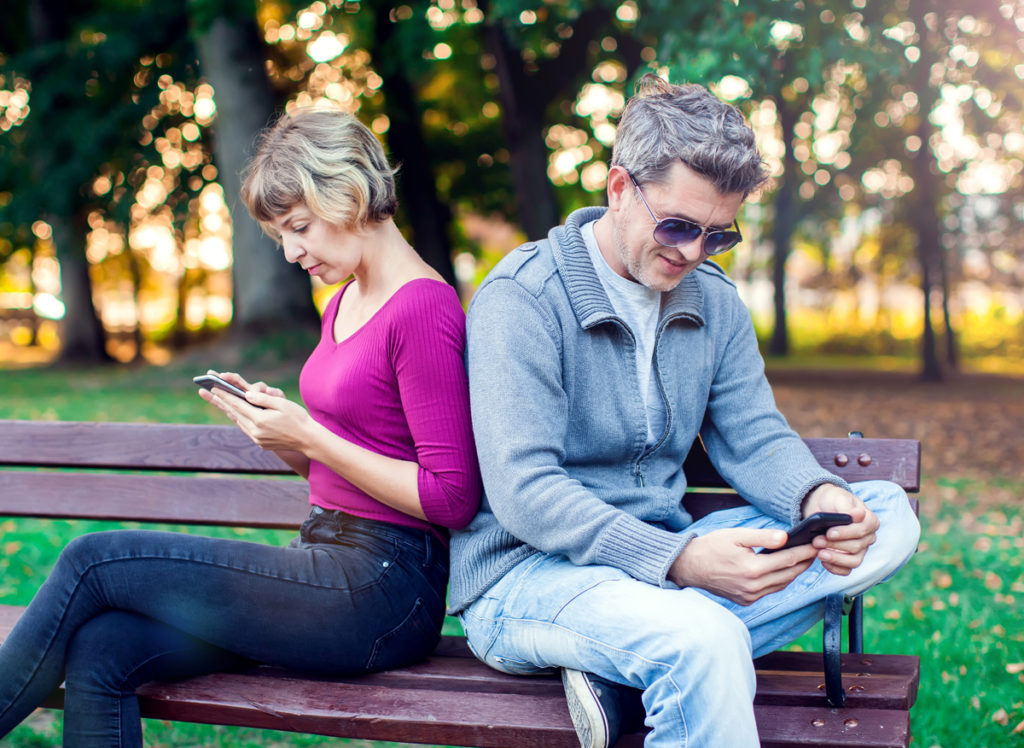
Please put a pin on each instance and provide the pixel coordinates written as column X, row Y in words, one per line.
column 276, row 424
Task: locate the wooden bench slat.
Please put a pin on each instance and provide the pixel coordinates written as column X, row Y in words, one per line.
column 796, row 679
column 358, row 711
column 355, row 710
column 135, row 446
column 896, row 460
column 783, row 727
column 175, row 499
column 903, row 665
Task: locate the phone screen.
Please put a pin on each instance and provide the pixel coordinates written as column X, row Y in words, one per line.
column 209, row 381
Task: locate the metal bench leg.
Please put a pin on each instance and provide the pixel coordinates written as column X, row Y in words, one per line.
column 831, row 647
column 856, row 624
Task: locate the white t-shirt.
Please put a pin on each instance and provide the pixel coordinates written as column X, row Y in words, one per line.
column 639, row 306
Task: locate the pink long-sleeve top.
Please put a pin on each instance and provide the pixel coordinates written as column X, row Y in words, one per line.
column 398, row 386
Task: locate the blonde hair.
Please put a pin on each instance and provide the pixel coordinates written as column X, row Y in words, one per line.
column 324, row 159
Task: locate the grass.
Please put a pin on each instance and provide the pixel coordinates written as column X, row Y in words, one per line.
column 956, row 605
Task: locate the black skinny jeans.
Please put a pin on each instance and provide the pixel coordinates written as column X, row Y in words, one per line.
column 125, row 607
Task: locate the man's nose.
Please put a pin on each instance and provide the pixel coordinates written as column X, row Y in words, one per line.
column 693, row 251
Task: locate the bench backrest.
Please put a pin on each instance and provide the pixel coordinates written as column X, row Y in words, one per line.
column 149, row 485
column 851, row 458
column 203, row 474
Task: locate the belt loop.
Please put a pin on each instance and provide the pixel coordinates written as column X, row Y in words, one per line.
column 428, row 556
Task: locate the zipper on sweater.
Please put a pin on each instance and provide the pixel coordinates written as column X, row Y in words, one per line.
column 638, row 474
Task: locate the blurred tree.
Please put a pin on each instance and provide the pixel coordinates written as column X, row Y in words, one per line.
column 369, row 60
column 542, row 58
column 103, row 75
column 397, row 53
column 811, row 61
column 948, row 146
column 269, row 293
column 79, row 76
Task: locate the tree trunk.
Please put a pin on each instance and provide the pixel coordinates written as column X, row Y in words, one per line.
column 924, row 216
column 952, row 354
column 81, row 332
column 268, row 292
column 523, row 125
column 783, row 227
column 428, row 217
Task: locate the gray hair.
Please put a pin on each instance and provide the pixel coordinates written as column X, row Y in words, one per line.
column 663, row 123
column 324, row 159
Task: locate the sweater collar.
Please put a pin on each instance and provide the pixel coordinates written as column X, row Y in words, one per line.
column 586, row 294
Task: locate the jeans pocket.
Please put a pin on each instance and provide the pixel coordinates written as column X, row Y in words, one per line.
column 482, row 634
column 512, row 666
column 414, row 638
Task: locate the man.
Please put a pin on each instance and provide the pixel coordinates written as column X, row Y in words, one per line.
column 595, row 358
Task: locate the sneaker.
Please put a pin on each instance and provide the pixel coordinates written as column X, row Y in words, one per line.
column 594, row 706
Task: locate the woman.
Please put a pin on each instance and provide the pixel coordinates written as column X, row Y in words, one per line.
column 386, row 446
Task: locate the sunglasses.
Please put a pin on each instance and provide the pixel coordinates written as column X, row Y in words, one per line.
column 675, row 232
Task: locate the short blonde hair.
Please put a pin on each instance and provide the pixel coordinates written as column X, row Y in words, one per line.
column 324, row 159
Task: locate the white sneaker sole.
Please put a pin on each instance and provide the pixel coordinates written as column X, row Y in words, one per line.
column 588, row 718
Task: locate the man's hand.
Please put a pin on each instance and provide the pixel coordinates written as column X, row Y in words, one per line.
column 724, row 562
column 841, row 549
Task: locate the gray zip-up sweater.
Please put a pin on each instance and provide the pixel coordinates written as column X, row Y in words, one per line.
column 561, row 426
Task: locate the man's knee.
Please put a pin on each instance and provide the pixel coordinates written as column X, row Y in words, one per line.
column 899, row 529
column 707, row 635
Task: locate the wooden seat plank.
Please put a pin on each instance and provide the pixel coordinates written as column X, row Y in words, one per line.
column 344, row 709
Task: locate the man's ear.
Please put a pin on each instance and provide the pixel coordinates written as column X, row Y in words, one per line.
column 619, row 188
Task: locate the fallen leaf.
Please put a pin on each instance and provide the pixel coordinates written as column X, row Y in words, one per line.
column 1018, row 728
column 1001, row 717
column 1015, row 667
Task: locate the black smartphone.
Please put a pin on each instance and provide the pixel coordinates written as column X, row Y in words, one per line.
column 812, row 526
column 209, row 381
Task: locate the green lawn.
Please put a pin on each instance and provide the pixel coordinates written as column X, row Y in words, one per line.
column 956, row 605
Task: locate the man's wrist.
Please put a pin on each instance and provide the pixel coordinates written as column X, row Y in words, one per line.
column 679, row 572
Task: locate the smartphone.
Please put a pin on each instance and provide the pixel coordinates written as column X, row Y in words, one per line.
column 209, row 381
column 808, row 529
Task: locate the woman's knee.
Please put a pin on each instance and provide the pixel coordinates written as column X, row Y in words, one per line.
column 89, row 549
column 101, row 654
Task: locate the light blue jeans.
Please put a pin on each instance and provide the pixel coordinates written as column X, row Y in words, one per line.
column 690, row 651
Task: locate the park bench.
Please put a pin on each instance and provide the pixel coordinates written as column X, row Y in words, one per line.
column 213, row 475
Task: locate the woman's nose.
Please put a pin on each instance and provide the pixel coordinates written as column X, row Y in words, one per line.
column 290, row 245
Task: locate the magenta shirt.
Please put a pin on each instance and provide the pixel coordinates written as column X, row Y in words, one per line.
column 398, row 386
